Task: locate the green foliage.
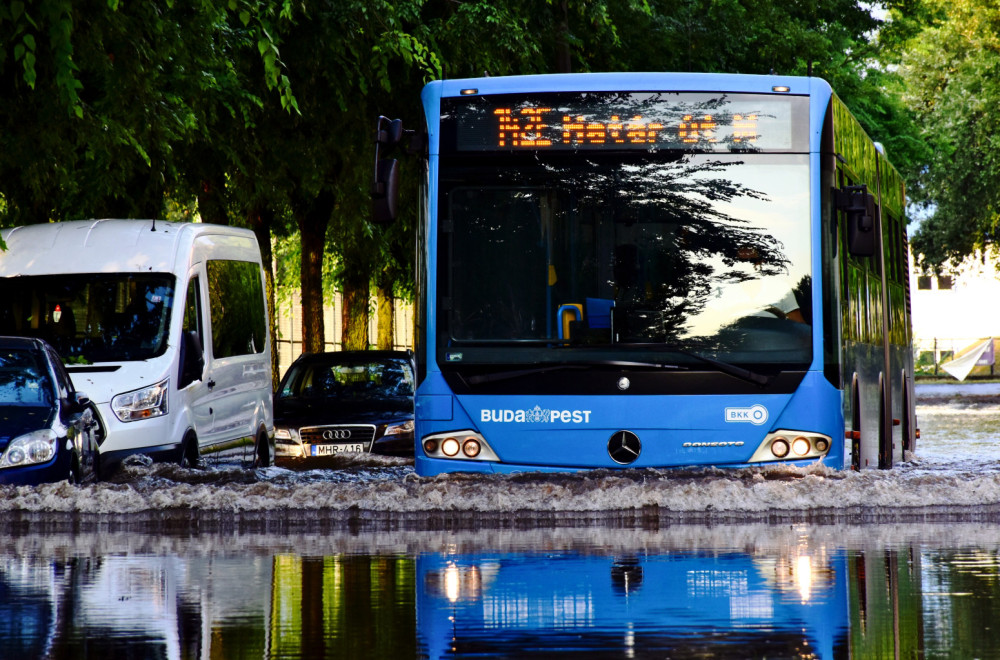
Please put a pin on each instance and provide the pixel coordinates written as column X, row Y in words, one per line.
column 952, row 72
column 98, row 99
column 243, row 109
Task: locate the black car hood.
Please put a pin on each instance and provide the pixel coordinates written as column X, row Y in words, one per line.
column 316, row 411
column 18, row 420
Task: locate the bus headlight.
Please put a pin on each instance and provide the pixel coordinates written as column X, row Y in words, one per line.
column 449, row 447
column 142, row 404
column 458, row 445
column 791, row 445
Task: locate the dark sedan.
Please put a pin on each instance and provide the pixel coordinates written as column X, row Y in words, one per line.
column 47, row 429
column 345, row 402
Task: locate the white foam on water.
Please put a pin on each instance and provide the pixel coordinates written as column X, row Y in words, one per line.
column 956, row 465
column 773, row 489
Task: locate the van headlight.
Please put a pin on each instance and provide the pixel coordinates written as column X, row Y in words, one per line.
column 142, row 404
column 30, row 448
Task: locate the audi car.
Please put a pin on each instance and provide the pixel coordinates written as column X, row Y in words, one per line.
column 345, row 402
column 48, row 431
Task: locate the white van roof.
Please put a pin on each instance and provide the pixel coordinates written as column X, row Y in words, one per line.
column 103, row 246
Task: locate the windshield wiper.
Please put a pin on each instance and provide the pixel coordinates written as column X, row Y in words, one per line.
column 724, row 367
column 518, row 373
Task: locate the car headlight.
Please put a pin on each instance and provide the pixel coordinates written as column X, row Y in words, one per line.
column 281, row 433
column 30, row 448
column 142, row 404
column 400, row 429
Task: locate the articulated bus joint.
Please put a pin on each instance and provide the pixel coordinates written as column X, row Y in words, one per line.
column 784, row 445
column 466, row 445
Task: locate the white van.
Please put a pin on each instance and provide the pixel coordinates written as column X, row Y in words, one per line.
column 164, row 325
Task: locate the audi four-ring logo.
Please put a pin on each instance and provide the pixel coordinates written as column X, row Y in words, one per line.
column 338, row 434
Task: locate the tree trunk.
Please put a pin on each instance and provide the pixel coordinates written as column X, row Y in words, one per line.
column 260, row 220
column 564, row 59
column 212, row 202
column 312, row 231
column 354, row 316
column 385, row 317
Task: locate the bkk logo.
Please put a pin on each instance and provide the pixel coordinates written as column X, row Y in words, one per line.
column 536, row 415
column 756, row 415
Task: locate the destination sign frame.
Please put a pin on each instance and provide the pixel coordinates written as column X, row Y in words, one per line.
column 629, row 121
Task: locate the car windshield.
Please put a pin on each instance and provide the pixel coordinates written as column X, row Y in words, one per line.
column 357, row 380
column 97, row 317
column 24, row 379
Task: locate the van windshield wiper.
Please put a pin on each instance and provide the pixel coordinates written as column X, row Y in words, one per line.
column 518, row 373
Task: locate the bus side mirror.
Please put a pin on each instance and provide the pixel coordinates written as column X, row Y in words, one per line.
column 192, row 359
column 859, row 206
column 385, row 191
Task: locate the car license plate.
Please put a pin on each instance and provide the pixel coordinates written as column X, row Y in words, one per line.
column 329, row 450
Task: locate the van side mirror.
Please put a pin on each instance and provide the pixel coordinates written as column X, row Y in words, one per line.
column 385, row 190
column 192, row 359
column 859, row 205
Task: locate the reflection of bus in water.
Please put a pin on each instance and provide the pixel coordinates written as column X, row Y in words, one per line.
column 720, row 605
column 654, row 270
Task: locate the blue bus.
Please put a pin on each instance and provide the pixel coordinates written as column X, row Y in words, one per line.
column 649, row 270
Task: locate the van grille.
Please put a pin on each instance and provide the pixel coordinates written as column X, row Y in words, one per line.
column 317, row 435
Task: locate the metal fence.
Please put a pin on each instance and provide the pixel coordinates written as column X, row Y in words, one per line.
column 289, row 321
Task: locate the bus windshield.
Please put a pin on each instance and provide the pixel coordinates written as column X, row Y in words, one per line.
column 566, row 257
column 97, row 317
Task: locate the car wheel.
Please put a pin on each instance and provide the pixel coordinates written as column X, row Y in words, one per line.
column 73, row 478
column 261, row 450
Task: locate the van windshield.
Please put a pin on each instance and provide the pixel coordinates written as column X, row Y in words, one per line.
column 91, row 317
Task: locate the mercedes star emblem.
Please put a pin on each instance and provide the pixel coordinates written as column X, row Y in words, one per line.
column 624, row 447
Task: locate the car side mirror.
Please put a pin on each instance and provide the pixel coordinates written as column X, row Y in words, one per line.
column 192, row 359
column 79, row 401
column 859, row 206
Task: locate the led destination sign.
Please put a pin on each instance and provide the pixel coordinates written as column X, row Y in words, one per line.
column 615, row 121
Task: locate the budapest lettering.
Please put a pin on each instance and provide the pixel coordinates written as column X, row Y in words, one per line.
column 536, row 415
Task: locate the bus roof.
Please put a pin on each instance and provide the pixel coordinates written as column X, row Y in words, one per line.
column 635, row 82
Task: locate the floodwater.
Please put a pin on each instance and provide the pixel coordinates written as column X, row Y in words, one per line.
column 370, row 561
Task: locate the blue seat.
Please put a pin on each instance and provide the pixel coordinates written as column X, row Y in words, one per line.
column 598, row 312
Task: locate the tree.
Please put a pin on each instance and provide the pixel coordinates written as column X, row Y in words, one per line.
column 952, row 73
column 96, row 97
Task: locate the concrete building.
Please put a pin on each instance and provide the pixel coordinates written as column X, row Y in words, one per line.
column 955, row 310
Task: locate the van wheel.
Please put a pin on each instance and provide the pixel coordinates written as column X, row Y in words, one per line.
column 261, row 450
column 189, row 455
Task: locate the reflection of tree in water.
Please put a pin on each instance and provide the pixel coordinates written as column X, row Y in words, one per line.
column 688, row 235
column 653, row 233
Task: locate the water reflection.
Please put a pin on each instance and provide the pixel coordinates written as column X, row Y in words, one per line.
column 728, row 604
column 800, row 591
column 170, row 563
